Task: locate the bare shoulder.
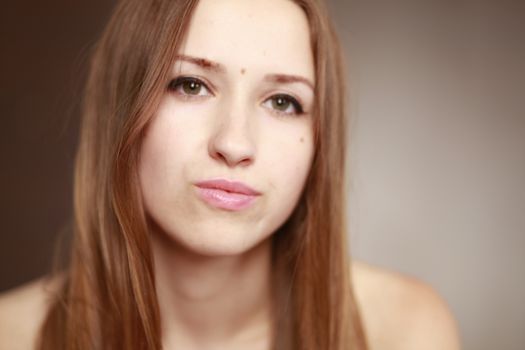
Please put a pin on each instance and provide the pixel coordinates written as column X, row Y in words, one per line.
column 22, row 311
column 400, row 312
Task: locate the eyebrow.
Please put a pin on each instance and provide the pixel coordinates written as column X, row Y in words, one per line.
column 217, row 67
column 288, row 79
column 202, row 62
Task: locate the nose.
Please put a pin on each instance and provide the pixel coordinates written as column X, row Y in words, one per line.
column 232, row 141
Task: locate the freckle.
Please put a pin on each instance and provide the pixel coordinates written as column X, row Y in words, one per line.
column 302, row 140
column 243, row 71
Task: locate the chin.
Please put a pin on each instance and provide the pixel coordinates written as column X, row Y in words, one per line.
column 218, row 248
column 215, row 242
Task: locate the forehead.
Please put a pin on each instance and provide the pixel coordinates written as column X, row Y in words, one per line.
column 257, row 35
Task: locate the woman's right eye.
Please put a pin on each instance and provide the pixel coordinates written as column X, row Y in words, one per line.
column 188, row 87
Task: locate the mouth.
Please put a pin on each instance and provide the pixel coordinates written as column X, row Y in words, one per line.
column 227, row 195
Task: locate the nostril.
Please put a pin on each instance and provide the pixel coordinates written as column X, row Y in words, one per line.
column 232, row 153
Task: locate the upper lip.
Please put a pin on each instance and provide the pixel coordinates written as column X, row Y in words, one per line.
column 229, row 186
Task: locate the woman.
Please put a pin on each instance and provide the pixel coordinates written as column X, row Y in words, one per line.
column 209, row 208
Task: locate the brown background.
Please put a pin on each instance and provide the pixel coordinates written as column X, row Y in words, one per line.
column 437, row 144
column 45, row 47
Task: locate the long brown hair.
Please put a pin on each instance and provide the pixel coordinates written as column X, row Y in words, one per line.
column 108, row 296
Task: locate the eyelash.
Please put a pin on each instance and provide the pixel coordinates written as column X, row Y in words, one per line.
column 175, row 84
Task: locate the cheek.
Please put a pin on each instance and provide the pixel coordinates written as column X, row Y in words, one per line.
column 157, row 161
column 171, row 141
column 165, row 149
column 289, row 165
column 290, row 157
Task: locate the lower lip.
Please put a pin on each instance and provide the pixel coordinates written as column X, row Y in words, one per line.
column 226, row 200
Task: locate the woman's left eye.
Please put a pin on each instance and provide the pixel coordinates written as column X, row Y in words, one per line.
column 188, row 87
column 284, row 104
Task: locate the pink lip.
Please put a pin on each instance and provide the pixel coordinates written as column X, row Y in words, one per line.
column 225, row 194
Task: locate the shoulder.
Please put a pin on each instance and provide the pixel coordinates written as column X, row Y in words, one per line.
column 400, row 312
column 22, row 311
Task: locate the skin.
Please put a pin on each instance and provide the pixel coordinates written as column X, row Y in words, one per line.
column 399, row 312
column 212, row 266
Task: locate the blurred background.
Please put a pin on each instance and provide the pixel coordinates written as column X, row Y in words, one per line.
column 437, row 148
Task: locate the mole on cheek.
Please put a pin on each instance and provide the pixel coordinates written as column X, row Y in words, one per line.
column 302, row 140
column 243, row 71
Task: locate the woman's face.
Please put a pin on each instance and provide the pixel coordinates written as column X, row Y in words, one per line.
column 238, row 109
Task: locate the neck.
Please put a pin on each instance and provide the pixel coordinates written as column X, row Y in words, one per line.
column 207, row 301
